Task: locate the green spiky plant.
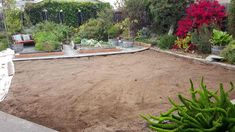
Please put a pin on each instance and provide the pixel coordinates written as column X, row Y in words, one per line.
column 206, row 111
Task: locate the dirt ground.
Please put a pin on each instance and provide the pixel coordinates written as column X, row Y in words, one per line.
column 104, row 94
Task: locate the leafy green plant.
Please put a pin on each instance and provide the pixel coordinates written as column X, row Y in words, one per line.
column 114, row 31
column 77, row 39
column 12, row 20
column 200, row 38
column 46, row 41
column 206, row 111
column 143, row 33
column 166, row 41
column 61, row 31
column 183, row 43
column 94, row 29
column 3, row 41
column 3, row 44
column 229, row 52
column 95, row 43
column 220, row 38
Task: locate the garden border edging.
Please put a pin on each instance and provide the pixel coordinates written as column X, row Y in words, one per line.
column 224, row 65
column 82, row 55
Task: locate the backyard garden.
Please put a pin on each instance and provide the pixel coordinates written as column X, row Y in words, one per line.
column 151, row 90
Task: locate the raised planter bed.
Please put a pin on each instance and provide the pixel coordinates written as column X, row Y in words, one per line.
column 85, row 50
column 41, row 54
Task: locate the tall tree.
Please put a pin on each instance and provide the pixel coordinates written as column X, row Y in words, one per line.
column 166, row 13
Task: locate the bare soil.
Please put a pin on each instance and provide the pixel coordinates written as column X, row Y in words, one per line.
column 104, row 94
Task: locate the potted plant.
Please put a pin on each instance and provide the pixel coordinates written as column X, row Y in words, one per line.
column 219, row 41
column 113, row 32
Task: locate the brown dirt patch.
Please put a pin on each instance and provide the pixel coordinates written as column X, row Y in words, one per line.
column 103, row 93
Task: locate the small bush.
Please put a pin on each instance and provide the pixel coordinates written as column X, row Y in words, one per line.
column 114, row 31
column 166, row 41
column 206, row 111
column 77, row 39
column 94, row 29
column 229, row 52
column 3, row 45
column 47, row 45
column 46, row 41
column 201, row 38
column 59, row 30
column 143, row 33
column 3, row 41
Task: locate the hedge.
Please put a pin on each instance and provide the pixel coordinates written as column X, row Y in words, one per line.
column 70, row 11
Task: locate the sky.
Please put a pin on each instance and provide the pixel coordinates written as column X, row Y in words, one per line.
column 110, row 1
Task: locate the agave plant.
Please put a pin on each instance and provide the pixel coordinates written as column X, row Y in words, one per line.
column 206, row 111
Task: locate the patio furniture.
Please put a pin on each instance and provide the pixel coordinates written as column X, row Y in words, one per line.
column 22, row 39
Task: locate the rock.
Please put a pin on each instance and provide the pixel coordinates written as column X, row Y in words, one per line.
column 214, row 58
column 7, row 71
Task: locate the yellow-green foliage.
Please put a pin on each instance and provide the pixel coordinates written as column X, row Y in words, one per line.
column 206, row 111
column 229, row 52
column 13, row 21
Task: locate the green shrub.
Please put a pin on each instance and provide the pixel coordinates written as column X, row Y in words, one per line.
column 166, row 41
column 3, row 44
column 77, row 39
column 70, row 11
column 201, row 38
column 3, row 41
column 229, row 52
column 46, row 41
column 47, row 45
column 13, row 21
column 114, row 31
column 61, row 31
column 231, row 18
column 206, row 111
column 94, row 29
column 143, row 33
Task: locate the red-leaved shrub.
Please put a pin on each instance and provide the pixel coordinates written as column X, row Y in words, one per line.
column 199, row 13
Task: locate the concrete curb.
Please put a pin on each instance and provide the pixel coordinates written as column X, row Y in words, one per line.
column 81, row 55
column 224, row 65
column 10, row 123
